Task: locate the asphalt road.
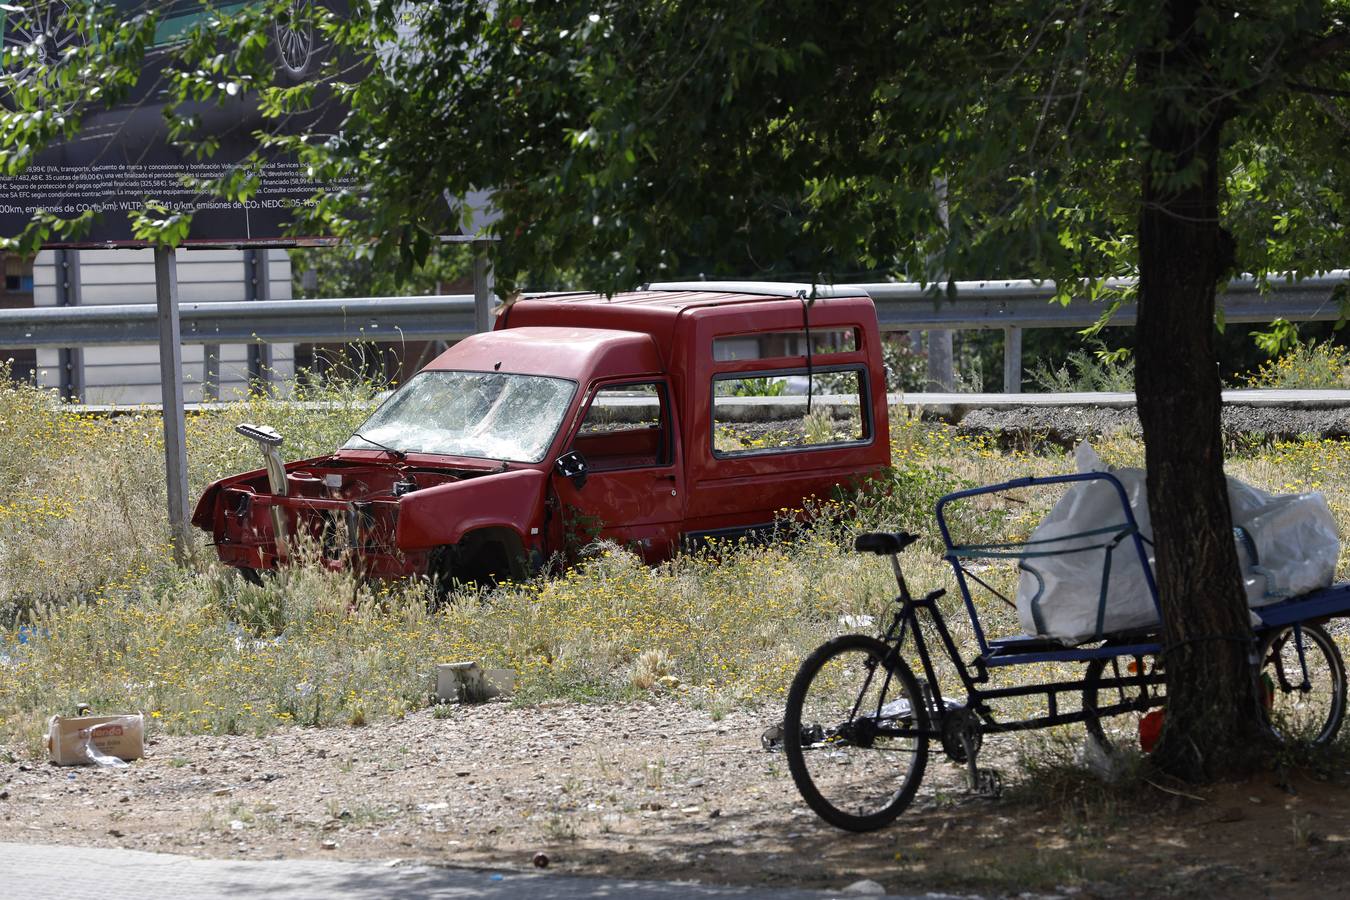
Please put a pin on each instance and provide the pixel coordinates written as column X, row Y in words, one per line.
column 40, row 872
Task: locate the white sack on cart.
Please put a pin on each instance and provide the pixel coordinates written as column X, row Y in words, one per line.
column 1058, row 594
column 1293, row 537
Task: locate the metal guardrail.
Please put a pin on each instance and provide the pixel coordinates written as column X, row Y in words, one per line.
column 900, row 307
column 1025, row 304
column 244, row 322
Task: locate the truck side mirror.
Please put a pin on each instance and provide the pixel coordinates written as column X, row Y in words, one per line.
column 572, row 465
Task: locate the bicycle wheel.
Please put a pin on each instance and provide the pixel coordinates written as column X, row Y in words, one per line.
column 1302, row 684
column 855, row 733
column 1119, row 692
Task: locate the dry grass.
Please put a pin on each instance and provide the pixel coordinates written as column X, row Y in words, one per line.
column 109, row 620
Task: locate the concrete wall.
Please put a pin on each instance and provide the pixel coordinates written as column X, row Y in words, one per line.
column 130, row 374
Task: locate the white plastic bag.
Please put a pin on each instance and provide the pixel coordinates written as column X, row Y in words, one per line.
column 1059, row 595
column 1296, row 545
column 1287, row 545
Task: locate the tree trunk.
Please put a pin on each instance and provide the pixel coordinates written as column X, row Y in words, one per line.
column 1211, row 728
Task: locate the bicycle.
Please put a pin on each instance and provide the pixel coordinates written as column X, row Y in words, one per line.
column 859, row 723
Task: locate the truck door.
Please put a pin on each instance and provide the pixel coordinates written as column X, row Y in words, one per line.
column 632, row 491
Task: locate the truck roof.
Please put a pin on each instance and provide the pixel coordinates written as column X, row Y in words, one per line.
column 676, row 296
column 655, row 308
column 561, row 352
column 655, row 311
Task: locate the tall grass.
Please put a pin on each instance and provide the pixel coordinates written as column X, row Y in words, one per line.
column 82, row 496
column 93, row 609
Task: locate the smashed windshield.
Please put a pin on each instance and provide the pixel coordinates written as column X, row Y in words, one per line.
column 493, row 415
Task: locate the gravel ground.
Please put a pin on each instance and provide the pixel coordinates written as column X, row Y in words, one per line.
column 659, row 790
column 649, row 790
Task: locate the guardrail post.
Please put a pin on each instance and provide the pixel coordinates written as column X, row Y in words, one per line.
column 171, row 398
column 70, row 360
column 1012, row 359
column 257, row 287
column 482, row 287
column 940, row 374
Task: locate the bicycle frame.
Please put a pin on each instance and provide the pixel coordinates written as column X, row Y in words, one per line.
column 1132, row 688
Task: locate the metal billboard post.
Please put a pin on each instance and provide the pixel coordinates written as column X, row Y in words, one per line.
column 70, row 360
column 482, row 286
column 171, row 397
column 938, row 341
column 257, row 288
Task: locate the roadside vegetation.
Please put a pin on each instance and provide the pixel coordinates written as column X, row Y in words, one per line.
column 93, row 609
column 1308, row 364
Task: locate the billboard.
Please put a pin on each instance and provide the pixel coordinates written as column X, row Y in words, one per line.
column 122, row 157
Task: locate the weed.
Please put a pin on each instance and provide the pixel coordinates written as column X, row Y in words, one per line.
column 1305, row 366
column 818, row 426
column 649, row 668
column 1305, row 835
column 1090, row 369
column 559, row 829
column 655, row 774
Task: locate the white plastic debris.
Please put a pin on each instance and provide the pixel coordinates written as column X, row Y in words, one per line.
column 1287, row 545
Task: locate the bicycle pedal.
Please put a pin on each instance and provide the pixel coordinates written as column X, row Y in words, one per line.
column 772, row 738
column 989, row 783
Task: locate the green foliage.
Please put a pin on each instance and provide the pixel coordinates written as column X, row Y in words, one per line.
column 629, row 141
column 1282, row 334
column 351, row 272
column 903, row 497
column 156, row 224
column 906, row 367
column 759, row 387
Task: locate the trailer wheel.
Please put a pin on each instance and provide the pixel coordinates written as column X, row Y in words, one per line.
column 1302, row 685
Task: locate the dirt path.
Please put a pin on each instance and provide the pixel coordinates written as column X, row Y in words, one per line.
column 658, row 790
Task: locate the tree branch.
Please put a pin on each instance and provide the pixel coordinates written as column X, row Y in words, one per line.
column 1315, row 89
column 1329, row 45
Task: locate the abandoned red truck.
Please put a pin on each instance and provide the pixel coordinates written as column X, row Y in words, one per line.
column 638, row 418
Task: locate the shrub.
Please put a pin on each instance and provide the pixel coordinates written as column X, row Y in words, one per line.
column 1087, row 370
column 1305, row 367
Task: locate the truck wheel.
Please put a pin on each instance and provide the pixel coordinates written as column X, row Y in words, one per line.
column 252, row 576
column 441, row 573
column 482, row 559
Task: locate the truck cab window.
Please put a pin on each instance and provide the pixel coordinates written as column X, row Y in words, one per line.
column 627, row 426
